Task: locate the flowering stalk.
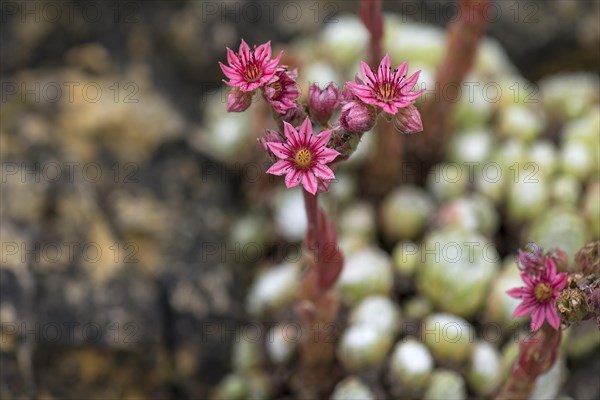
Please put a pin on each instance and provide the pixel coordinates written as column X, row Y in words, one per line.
column 372, row 18
column 307, row 158
column 463, row 38
column 386, row 164
column 553, row 300
column 536, row 356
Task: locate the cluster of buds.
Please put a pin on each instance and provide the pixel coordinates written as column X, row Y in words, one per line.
column 561, row 298
column 581, row 299
column 301, row 155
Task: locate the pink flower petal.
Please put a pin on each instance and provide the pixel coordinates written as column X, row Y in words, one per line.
column 232, row 58
column 323, row 172
column 291, row 135
column 537, row 318
column 403, row 69
column 390, row 108
column 280, row 167
column 358, row 88
column 525, row 308
column 550, row 269
column 559, row 282
column 229, row 72
column 411, row 82
column 519, row 292
column 309, row 181
column 322, row 139
column 293, row 178
column 552, row 315
column 366, row 72
column 386, row 63
column 245, row 50
column 527, row 279
column 280, row 150
column 305, row 132
column 263, row 51
column 326, row 155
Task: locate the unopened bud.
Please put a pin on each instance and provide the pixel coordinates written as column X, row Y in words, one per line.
column 571, row 305
column 345, row 142
column 588, row 259
column 322, row 103
column 357, row 117
column 294, row 116
column 268, row 137
column 531, row 260
column 560, row 258
column 238, row 101
column 408, row 120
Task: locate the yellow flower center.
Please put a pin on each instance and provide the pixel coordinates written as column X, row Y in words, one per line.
column 543, row 292
column 278, row 89
column 303, row 158
column 252, row 72
column 386, row 92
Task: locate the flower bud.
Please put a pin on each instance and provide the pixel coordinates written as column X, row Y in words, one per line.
column 408, row 120
column 560, row 258
column 268, row 137
column 357, row 117
column 295, row 115
column 588, row 258
column 322, row 103
column 238, row 101
column 346, row 143
column 531, row 260
column 571, row 305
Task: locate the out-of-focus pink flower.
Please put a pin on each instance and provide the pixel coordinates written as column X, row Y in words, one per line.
column 238, row 101
column 357, row 117
column 250, row 69
column 303, row 157
column 282, row 90
column 386, row 88
column 322, row 103
column 532, row 260
column 408, row 120
column 539, row 295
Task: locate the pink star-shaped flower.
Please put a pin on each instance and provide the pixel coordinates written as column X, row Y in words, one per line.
column 386, row 88
column 303, row 157
column 249, row 69
column 539, row 295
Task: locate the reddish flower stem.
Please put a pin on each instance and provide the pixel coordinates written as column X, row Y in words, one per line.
column 318, row 304
column 384, row 169
column 463, row 39
column 371, row 16
column 536, row 356
column 311, row 205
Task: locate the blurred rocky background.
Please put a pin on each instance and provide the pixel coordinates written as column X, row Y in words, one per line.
column 116, row 279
